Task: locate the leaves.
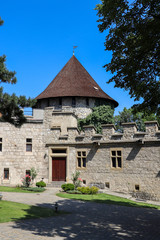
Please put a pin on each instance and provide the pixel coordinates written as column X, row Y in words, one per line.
column 134, row 39
column 100, row 115
column 128, row 115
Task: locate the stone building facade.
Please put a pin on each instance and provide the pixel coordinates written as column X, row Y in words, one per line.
column 50, row 142
column 125, row 162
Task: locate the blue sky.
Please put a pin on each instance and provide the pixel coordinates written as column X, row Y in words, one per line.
column 38, row 38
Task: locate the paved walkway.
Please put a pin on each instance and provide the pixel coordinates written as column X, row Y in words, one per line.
column 87, row 221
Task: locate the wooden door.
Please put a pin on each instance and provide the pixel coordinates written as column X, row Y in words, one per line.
column 58, row 168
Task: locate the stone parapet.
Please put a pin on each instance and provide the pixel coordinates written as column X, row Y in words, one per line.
column 72, row 133
column 108, row 130
column 89, row 131
column 129, row 129
column 151, row 128
column 130, row 133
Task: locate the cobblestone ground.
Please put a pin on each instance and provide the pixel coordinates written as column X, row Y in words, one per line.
column 86, row 221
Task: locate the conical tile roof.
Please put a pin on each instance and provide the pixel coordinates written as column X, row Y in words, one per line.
column 74, row 81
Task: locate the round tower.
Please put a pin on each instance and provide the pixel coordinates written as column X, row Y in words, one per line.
column 73, row 89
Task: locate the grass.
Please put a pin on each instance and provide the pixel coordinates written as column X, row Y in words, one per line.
column 11, row 211
column 107, row 199
column 15, row 189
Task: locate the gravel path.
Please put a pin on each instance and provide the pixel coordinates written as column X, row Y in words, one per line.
column 87, row 221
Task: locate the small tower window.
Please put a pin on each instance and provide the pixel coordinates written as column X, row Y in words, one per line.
column 60, row 101
column 87, row 102
column 73, row 101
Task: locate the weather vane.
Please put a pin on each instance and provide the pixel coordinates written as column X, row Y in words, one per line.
column 74, row 48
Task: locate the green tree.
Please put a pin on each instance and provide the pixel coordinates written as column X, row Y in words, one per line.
column 10, row 105
column 100, row 115
column 133, row 36
column 128, row 115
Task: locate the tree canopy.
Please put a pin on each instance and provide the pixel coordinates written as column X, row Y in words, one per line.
column 104, row 115
column 133, row 36
column 100, row 115
column 10, row 105
column 128, row 115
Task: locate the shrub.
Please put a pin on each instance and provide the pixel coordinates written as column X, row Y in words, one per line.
column 26, row 181
column 94, row 190
column 67, row 187
column 33, row 173
column 76, row 180
column 41, row 184
column 88, row 190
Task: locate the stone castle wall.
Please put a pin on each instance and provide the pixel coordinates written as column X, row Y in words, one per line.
column 140, row 160
column 140, row 152
column 80, row 109
column 14, row 156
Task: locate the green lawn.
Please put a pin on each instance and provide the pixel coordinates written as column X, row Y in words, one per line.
column 11, row 211
column 107, row 199
column 14, row 189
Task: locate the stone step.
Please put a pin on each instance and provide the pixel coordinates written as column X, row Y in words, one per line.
column 56, row 184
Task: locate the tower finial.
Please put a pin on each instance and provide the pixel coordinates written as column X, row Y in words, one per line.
column 74, row 48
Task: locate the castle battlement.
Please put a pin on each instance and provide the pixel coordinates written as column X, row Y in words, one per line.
column 109, row 133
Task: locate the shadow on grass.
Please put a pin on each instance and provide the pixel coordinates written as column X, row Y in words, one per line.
column 89, row 221
column 108, row 199
column 12, row 211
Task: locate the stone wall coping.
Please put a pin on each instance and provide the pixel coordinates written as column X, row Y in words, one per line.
column 129, row 124
column 108, row 126
column 63, row 113
column 63, row 137
column 97, row 136
column 34, row 121
column 56, row 128
column 117, row 134
column 105, row 142
column 89, row 126
column 140, row 133
column 151, row 122
column 72, row 128
column 80, row 136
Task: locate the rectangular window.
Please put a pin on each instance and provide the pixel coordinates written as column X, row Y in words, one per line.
column 81, row 159
column 0, row 144
column 73, row 101
column 6, row 173
column 116, row 158
column 28, row 144
column 28, row 172
column 87, row 102
column 60, row 101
